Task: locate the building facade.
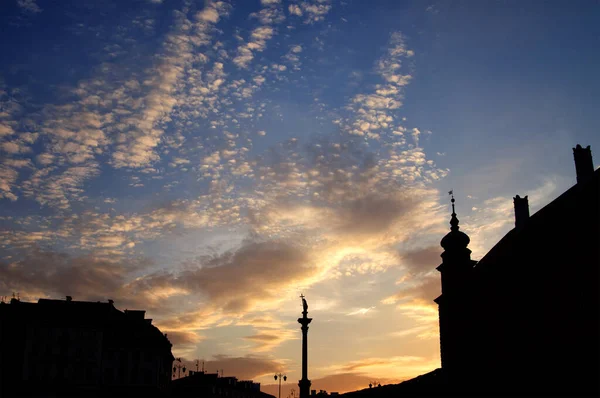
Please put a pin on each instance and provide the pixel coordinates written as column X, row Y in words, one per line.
column 525, row 319
column 83, row 348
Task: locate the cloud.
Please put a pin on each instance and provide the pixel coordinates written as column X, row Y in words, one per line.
column 120, row 112
column 422, row 260
column 312, row 10
column 258, row 43
column 43, row 273
column 269, row 16
column 209, row 14
column 396, row 368
column 6, row 130
column 372, row 112
column 183, row 338
column 293, row 57
column 266, row 341
column 360, row 311
column 237, row 280
column 421, row 291
column 295, row 9
column 140, row 141
column 29, row 6
column 8, row 178
column 61, row 188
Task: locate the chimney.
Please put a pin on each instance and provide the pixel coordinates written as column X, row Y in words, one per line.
column 521, row 210
column 584, row 167
column 69, row 298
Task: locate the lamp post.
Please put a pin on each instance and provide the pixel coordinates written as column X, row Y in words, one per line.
column 280, row 376
column 177, row 368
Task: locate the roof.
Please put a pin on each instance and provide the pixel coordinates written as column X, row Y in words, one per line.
column 556, row 218
column 130, row 326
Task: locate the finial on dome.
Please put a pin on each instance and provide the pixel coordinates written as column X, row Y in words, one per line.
column 455, row 239
column 454, row 219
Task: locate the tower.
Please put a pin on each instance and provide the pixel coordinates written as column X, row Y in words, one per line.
column 454, row 302
column 304, row 384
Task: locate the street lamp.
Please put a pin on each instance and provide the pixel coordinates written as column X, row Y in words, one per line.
column 177, row 368
column 280, row 377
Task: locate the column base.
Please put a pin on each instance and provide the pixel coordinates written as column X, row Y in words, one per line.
column 304, row 385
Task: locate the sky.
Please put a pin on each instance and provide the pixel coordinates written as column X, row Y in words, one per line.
column 210, row 161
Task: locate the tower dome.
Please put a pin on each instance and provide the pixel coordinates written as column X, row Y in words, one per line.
column 454, row 239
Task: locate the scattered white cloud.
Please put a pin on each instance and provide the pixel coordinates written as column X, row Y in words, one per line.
column 295, row 9
column 29, row 6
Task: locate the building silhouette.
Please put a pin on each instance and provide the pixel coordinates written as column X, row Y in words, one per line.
column 210, row 385
column 525, row 319
column 79, row 348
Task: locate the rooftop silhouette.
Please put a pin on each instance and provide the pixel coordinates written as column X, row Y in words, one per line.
column 210, row 385
column 80, row 348
column 523, row 320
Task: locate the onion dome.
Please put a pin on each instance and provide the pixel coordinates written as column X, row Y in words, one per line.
column 455, row 239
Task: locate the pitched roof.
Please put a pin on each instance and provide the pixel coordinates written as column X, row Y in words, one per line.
column 552, row 219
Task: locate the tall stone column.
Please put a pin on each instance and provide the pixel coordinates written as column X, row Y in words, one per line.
column 304, row 384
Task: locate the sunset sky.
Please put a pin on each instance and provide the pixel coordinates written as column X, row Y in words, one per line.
column 210, row 161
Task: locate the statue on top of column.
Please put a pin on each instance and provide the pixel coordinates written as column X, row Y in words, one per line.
column 304, row 304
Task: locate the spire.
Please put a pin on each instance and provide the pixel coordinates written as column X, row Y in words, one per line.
column 454, row 219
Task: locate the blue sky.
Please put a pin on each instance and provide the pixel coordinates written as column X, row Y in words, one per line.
column 209, row 161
